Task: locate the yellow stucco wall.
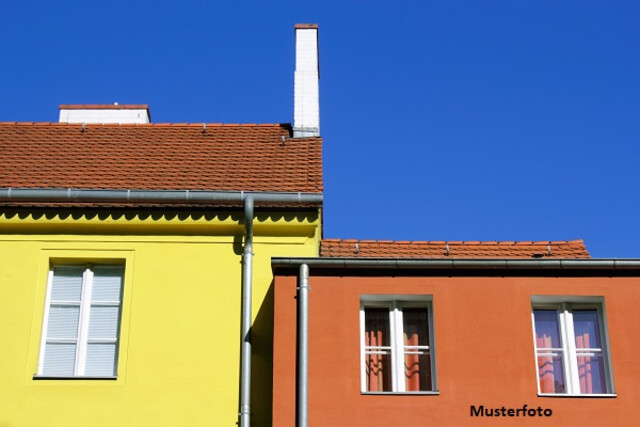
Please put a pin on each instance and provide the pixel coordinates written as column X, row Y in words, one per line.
column 179, row 352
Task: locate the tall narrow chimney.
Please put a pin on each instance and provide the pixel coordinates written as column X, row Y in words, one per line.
column 306, row 99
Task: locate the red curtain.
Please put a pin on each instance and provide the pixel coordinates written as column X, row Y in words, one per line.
column 584, row 365
column 417, row 367
column 545, row 366
column 376, row 369
column 412, row 364
column 377, row 335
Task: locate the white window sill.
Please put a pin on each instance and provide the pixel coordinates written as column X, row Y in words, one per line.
column 65, row 378
column 400, row 393
column 577, row 395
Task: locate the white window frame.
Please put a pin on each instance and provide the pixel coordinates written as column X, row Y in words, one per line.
column 83, row 320
column 397, row 347
column 568, row 348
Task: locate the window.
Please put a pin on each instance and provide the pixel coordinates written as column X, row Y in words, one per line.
column 81, row 321
column 397, row 347
column 571, row 350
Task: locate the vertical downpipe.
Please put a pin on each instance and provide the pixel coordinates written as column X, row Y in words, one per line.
column 303, row 346
column 245, row 374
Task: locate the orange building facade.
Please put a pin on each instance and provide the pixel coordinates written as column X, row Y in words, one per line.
column 459, row 334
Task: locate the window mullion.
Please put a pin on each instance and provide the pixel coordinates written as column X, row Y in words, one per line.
column 574, row 378
column 83, row 327
column 566, row 355
column 392, row 342
column 398, row 349
column 363, row 357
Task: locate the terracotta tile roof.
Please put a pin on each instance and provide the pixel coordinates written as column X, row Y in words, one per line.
column 395, row 249
column 159, row 157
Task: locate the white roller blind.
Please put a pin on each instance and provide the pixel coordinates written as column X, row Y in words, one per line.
column 60, row 359
column 63, row 322
column 103, row 323
column 107, row 283
column 101, row 359
column 67, row 284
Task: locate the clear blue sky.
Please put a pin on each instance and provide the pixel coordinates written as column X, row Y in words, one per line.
column 451, row 120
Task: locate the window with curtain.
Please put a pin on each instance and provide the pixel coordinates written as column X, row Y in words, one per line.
column 396, row 347
column 81, row 321
column 570, row 346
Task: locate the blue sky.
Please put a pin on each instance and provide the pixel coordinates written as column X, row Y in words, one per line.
column 456, row 120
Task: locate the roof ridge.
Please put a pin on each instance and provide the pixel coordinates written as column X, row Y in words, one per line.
column 7, row 123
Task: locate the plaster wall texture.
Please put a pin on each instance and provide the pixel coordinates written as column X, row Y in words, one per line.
column 484, row 351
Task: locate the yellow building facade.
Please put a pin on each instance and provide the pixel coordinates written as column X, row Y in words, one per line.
column 179, row 347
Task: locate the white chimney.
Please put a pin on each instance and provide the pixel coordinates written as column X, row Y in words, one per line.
column 120, row 114
column 306, row 99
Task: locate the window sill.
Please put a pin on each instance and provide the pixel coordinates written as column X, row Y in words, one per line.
column 65, row 378
column 400, row 393
column 608, row 395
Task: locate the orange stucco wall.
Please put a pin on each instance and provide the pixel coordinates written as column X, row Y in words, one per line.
column 483, row 344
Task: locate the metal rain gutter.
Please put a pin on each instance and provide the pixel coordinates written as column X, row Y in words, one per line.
column 153, row 196
column 463, row 263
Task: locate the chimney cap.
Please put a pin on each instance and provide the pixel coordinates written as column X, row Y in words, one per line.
column 104, row 107
column 305, row 26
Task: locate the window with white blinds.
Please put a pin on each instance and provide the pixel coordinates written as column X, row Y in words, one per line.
column 81, row 321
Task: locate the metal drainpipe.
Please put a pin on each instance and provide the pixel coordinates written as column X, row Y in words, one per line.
column 303, row 346
column 245, row 370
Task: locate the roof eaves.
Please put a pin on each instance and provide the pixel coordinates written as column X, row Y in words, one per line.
column 56, row 195
column 463, row 263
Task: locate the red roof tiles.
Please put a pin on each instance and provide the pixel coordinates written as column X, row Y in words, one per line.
column 159, row 157
column 405, row 249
